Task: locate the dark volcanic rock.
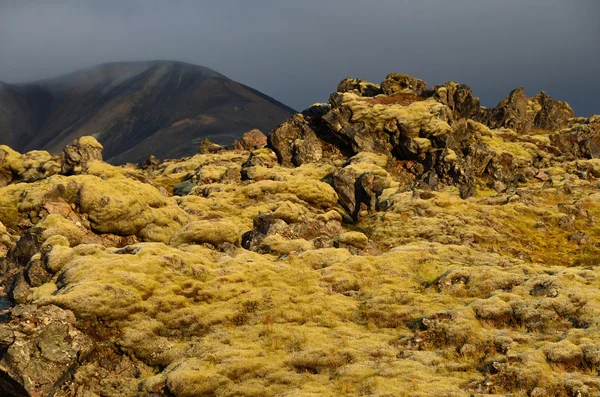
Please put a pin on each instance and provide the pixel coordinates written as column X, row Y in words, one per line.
column 208, row 147
column 295, row 142
column 359, row 86
column 82, row 151
column 396, row 83
column 582, row 141
column 43, row 353
column 511, row 112
column 553, row 115
column 458, row 97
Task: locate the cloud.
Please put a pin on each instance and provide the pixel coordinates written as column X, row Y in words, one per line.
column 298, row 51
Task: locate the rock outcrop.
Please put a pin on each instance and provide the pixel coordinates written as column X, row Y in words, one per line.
column 76, row 157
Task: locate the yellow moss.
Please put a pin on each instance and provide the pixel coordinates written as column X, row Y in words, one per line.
column 215, row 232
column 289, row 212
column 126, row 207
column 429, row 116
column 194, row 379
column 379, row 160
column 90, row 141
column 497, row 142
column 279, row 245
column 43, row 290
column 321, row 258
column 55, row 224
column 354, row 239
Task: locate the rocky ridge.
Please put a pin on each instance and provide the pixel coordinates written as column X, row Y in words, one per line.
column 398, row 240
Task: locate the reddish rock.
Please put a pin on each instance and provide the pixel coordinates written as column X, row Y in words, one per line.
column 253, row 139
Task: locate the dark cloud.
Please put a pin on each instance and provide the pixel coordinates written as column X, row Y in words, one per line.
column 297, row 51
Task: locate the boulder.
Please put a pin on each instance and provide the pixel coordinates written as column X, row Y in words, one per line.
column 552, row 115
column 352, row 239
column 251, row 140
column 511, row 112
column 396, row 83
column 581, row 141
column 458, row 97
column 76, row 156
column 208, row 147
column 360, row 87
column 27, row 167
column 43, row 352
column 295, row 142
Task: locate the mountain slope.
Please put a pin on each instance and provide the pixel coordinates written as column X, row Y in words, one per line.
column 134, row 109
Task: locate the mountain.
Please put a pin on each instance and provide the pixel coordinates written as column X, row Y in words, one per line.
column 134, row 109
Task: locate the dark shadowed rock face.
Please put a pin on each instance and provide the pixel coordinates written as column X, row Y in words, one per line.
column 134, row 110
column 206, row 146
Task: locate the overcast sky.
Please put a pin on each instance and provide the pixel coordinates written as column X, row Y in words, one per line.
column 298, row 50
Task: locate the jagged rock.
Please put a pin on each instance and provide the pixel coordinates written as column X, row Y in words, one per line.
column 295, row 142
column 521, row 113
column 511, row 112
column 395, row 83
column 208, row 147
column 360, row 183
column 458, row 97
column 552, row 115
column 150, row 163
column 76, row 156
column 582, row 141
column 45, row 350
column 253, row 139
column 360, row 87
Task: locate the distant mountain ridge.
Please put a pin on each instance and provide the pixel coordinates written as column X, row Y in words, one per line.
column 134, row 109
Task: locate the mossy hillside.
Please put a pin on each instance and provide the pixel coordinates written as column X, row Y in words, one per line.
column 241, row 203
column 533, row 225
column 287, row 320
column 213, row 313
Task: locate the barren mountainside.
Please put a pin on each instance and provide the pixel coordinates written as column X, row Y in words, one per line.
column 400, row 240
column 134, row 109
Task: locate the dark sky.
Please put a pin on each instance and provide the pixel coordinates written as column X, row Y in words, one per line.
column 298, row 50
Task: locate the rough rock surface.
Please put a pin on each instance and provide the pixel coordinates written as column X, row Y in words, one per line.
column 397, row 238
column 253, row 139
column 76, row 157
column 208, row 147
